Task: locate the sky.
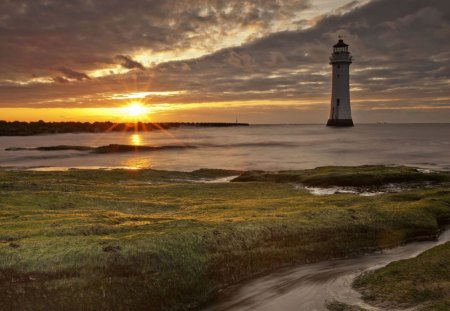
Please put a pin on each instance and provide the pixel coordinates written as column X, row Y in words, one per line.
column 260, row 61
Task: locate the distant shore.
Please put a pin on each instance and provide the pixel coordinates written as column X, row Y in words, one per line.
column 16, row 128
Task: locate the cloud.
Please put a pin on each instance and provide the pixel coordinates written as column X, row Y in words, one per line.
column 36, row 35
column 70, row 74
column 240, row 60
column 60, row 79
column 348, row 6
column 128, row 62
column 399, row 53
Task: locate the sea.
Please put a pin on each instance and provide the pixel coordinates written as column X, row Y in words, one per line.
column 254, row 147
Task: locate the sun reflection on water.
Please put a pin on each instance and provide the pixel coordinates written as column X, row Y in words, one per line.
column 135, row 140
column 137, row 163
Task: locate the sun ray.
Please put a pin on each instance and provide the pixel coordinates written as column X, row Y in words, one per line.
column 136, row 110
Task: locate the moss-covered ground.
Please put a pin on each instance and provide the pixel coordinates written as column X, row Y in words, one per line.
column 340, row 306
column 422, row 282
column 153, row 240
column 360, row 176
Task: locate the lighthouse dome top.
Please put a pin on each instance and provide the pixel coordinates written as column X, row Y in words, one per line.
column 340, row 47
column 340, row 44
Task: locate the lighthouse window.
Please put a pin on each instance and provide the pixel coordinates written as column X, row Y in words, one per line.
column 338, row 101
column 339, row 66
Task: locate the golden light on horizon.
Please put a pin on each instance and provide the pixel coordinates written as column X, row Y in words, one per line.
column 136, row 110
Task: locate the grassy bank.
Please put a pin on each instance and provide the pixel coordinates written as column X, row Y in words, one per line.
column 122, row 240
column 361, row 176
column 423, row 281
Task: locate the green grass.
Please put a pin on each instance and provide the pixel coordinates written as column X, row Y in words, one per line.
column 340, row 306
column 366, row 175
column 140, row 240
column 422, row 281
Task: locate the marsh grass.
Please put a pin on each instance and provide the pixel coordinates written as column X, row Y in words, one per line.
column 136, row 240
column 422, row 281
column 340, row 306
column 366, row 175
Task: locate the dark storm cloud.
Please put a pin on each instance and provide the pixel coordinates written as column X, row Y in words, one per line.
column 400, row 48
column 128, row 62
column 85, row 34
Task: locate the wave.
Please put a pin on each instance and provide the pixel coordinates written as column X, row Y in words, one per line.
column 112, row 148
column 51, row 148
column 258, row 144
column 117, row 148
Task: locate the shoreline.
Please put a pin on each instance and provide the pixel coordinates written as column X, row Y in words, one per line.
column 425, row 167
column 22, row 128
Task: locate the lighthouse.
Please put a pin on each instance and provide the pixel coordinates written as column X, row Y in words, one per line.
column 340, row 111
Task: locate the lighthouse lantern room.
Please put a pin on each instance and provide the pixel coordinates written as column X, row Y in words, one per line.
column 340, row 111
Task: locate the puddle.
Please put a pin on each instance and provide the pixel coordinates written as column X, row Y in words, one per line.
column 425, row 171
column 364, row 191
column 206, row 180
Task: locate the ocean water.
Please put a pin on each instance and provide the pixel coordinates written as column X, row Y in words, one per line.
column 264, row 147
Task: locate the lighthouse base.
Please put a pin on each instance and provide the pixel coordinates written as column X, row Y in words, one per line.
column 340, row 122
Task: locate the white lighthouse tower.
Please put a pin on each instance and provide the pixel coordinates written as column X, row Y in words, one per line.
column 340, row 111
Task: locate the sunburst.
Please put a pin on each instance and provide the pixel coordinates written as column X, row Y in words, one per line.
column 136, row 110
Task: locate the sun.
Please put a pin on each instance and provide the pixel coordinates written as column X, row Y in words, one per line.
column 136, row 110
